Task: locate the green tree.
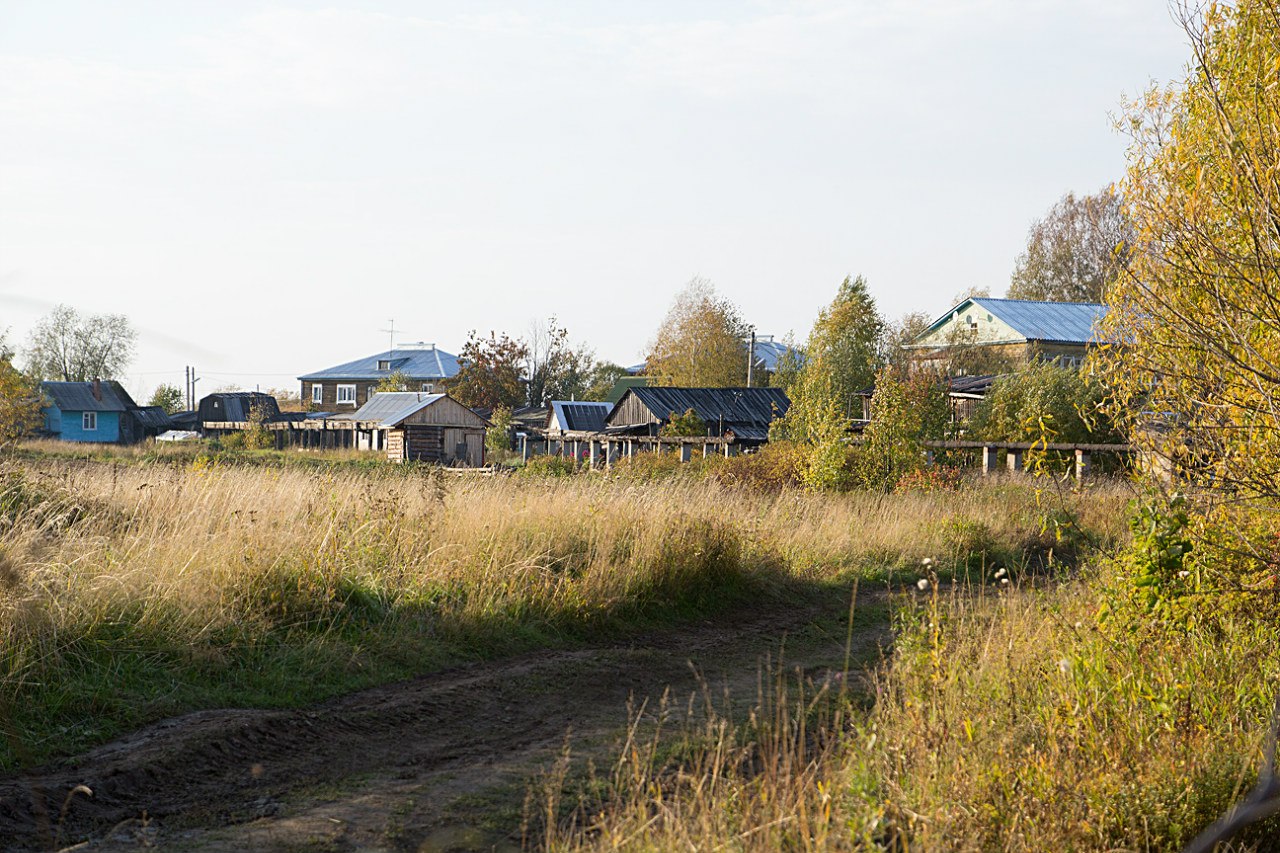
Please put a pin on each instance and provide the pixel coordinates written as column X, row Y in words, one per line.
column 1043, row 400
column 701, row 342
column 20, row 401
column 167, row 397
column 396, row 380
column 70, row 347
column 1195, row 375
column 905, row 412
column 557, row 370
column 497, row 439
column 1076, row 251
column 490, row 373
column 789, row 367
column 688, row 424
column 604, row 375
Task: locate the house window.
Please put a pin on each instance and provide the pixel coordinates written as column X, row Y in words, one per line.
column 347, row 395
column 317, row 393
column 384, row 364
column 373, row 389
column 90, row 421
column 427, row 386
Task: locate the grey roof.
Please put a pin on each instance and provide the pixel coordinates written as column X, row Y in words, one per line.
column 738, row 409
column 416, row 363
column 1051, row 322
column 152, row 417
column 78, row 396
column 571, row 415
column 391, row 407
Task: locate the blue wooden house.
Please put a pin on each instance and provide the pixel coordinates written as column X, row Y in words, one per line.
column 97, row 411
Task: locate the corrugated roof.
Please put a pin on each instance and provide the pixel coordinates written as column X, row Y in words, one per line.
column 735, row 408
column 78, row 396
column 1051, row 322
column 418, row 364
column 391, row 407
column 579, row 416
column 152, row 417
column 236, row 406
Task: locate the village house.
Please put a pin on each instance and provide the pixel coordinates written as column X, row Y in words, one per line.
column 571, row 416
column 741, row 414
column 416, row 427
column 100, row 411
column 424, row 367
column 1014, row 331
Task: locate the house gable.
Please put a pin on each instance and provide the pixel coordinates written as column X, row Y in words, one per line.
column 971, row 323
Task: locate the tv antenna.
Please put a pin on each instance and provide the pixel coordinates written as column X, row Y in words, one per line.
column 391, row 334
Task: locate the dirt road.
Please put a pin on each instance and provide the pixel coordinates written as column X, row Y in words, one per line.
column 437, row 763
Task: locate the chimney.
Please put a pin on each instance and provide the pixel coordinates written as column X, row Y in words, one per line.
column 97, row 389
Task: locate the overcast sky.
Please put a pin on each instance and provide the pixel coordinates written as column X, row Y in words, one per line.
column 262, row 187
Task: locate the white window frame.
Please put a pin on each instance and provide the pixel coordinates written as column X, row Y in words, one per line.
column 343, row 391
column 428, row 387
column 89, row 421
column 317, row 393
column 384, row 364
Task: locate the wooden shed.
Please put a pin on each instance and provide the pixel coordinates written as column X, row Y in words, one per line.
column 426, row 428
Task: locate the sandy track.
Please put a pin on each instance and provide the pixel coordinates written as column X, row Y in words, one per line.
column 437, row 763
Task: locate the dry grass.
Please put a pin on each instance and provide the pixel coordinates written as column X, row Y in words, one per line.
column 1008, row 719
column 132, row 591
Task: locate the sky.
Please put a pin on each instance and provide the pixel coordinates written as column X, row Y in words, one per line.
column 264, row 188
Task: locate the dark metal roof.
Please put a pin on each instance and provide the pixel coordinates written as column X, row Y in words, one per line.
column 735, row 408
column 236, row 406
column 578, row 416
column 427, row 363
column 976, row 385
column 392, row 407
column 78, row 396
column 152, row 417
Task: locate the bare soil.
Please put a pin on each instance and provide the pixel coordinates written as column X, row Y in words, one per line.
column 439, row 763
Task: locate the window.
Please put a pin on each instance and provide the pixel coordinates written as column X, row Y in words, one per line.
column 346, row 395
column 373, row 389
column 384, row 364
column 317, row 393
column 427, row 386
column 90, row 421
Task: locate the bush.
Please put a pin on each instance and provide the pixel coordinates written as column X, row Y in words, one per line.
column 550, row 466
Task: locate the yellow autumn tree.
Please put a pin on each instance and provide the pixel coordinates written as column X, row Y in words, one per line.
column 1195, row 372
column 701, row 342
column 20, row 400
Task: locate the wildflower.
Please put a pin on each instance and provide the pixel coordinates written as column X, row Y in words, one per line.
column 1079, row 625
column 922, row 584
column 927, row 562
column 1064, row 665
column 1184, row 574
column 1003, row 581
column 1002, row 573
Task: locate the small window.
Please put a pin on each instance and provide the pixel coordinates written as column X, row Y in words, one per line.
column 90, row 421
column 384, row 364
column 346, row 395
column 317, row 393
column 427, row 386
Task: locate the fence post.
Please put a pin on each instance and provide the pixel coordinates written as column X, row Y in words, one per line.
column 1082, row 464
column 1014, row 461
column 988, row 460
column 686, row 452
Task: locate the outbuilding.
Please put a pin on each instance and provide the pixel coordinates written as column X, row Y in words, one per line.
column 425, row 428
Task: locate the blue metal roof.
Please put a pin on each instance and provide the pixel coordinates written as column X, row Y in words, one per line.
column 416, row 363
column 768, row 353
column 1052, row 322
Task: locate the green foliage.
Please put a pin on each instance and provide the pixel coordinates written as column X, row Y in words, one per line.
column 396, row 380
column 20, row 403
column 687, row 424
column 257, row 436
column 604, row 375
column 904, row 413
column 557, row 370
column 786, row 373
column 167, row 397
column 549, row 466
column 497, row 440
column 1155, row 569
column 1043, row 399
column 701, row 342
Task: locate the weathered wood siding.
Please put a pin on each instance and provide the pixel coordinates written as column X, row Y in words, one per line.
column 446, row 412
column 632, row 412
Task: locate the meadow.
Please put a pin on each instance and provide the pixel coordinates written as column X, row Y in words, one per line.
column 1008, row 715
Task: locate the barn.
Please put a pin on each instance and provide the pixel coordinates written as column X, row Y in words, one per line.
column 743, row 413
column 425, row 428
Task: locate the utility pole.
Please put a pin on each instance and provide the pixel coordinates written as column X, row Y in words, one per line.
column 751, row 358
